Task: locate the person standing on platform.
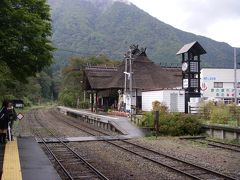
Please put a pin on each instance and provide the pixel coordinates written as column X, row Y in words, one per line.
column 4, row 119
column 12, row 117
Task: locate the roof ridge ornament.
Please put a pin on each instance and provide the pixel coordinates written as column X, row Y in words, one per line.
column 135, row 51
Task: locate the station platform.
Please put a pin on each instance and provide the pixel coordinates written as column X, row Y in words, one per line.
column 24, row 159
column 121, row 123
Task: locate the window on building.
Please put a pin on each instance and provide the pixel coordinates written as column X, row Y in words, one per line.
column 218, row 84
column 194, row 83
column 194, row 66
column 228, row 101
column 238, row 85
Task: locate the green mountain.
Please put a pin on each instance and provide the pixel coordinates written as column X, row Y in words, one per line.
column 93, row 27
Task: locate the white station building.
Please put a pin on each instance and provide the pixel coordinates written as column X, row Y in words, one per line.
column 172, row 98
column 218, row 84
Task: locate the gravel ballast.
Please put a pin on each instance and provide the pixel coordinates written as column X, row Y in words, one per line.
column 119, row 164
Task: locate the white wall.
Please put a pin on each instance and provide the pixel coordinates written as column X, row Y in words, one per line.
column 148, row 97
column 164, row 96
column 209, row 76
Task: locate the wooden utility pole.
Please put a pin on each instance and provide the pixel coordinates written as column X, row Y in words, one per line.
column 130, row 81
column 156, row 119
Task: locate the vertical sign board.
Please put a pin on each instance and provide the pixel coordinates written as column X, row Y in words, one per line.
column 127, row 102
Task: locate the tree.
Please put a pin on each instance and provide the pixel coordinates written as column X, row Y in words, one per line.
column 25, row 29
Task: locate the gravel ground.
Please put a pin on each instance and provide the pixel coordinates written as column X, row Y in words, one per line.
column 118, row 164
column 224, row 161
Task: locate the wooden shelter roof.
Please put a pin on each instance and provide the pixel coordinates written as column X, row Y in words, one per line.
column 146, row 75
column 193, row 47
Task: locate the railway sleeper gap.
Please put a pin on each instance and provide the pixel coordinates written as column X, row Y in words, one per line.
column 85, row 177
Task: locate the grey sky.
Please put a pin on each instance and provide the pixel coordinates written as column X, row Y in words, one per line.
column 216, row 19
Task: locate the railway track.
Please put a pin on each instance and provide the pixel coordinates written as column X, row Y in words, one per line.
column 222, row 145
column 181, row 166
column 72, row 164
column 218, row 144
column 84, row 127
column 233, row 147
column 189, row 169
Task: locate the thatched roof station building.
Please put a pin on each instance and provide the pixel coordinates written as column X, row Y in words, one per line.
column 107, row 84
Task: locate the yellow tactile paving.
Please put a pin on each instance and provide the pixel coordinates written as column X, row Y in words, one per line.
column 11, row 162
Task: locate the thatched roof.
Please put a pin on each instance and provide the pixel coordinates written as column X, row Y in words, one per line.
column 97, row 78
column 146, row 75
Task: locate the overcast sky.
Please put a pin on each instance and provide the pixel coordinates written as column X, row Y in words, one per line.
column 216, row 19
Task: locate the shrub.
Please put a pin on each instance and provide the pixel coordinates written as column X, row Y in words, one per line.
column 27, row 102
column 6, row 97
column 175, row 124
column 84, row 105
column 147, row 119
column 234, row 110
column 205, row 109
column 158, row 106
column 67, row 99
column 219, row 115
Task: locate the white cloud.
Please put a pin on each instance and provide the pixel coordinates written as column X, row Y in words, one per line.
column 219, row 20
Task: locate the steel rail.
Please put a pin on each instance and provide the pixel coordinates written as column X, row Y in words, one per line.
column 224, row 145
column 161, row 154
column 51, row 152
column 98, row 173
column 58, row 161
column 182, row 161
column 76, row 126
column 234, row 145
column 217, row 144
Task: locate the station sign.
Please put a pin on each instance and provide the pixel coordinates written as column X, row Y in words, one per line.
column 185, row 83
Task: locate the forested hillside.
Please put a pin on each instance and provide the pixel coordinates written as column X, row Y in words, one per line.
column 92, row 27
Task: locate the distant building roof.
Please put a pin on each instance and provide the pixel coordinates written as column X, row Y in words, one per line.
column 146, row 75
column 98, row 78
column 193, row 47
